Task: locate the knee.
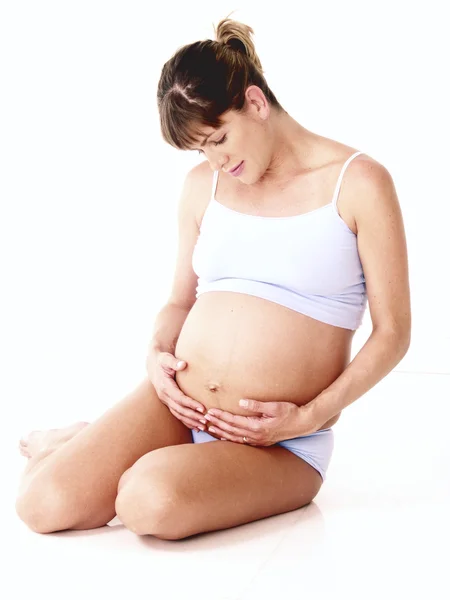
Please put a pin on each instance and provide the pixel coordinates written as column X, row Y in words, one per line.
column 42, row 509
column 149, row 508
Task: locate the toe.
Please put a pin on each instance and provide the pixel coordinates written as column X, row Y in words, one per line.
column 24, row 451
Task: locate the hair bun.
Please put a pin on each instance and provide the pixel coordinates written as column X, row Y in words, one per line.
column 237, row 44
column 238, row 36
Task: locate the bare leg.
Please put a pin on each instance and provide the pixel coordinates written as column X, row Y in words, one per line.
column 72, row 483
column 38, row 444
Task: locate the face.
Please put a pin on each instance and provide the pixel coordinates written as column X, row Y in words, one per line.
column 244, row 137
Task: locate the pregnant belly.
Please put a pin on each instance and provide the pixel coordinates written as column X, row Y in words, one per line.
column 239, row 346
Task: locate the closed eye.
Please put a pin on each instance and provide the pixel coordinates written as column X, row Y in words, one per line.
column 215, row 143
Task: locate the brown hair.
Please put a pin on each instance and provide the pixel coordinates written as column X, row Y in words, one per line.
column 204, row 80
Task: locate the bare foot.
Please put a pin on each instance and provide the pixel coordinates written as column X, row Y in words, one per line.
column 43, row 440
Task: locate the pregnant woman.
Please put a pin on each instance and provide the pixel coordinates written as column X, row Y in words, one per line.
column 284, row 235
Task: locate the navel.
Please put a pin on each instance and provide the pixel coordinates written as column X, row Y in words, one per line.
column 213, row 387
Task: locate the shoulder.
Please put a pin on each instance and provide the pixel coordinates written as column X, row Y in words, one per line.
column 364, row 178
column 199, row 185
column 382, row 246
column 367, row 170
column 197, row 176
column 370, row 193
column 204, row 186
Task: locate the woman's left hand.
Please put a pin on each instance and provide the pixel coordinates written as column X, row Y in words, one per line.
column 275, row 422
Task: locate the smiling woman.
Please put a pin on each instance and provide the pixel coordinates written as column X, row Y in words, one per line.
column 280, row 284
column 276, row 260
column 284, row 332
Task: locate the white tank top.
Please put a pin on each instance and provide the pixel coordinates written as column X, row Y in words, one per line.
column 308, row 262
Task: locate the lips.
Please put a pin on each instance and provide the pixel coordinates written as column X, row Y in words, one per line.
column 236, row 168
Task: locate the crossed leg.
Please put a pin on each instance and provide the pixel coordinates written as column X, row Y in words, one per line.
column 75, row 485
column 179, row 491
column 138, row 461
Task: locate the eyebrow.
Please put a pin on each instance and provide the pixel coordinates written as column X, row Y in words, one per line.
column 206, row 138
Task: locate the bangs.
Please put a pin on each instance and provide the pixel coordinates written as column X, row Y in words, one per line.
column 182, row 119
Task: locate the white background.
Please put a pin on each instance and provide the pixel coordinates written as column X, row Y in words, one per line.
column 89, row 190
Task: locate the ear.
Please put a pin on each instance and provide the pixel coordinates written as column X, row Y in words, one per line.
column 257, row 103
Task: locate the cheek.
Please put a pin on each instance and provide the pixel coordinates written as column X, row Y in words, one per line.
column 254, row 146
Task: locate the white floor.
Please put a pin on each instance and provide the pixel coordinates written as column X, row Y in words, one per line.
column 379, row 528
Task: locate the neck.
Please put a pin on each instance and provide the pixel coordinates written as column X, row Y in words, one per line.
column 293, row 146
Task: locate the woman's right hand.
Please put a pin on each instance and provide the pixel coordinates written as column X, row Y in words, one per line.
column 161, row 369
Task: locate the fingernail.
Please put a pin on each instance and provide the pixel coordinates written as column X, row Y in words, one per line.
column 200, row 409
column 203, row 421
column 180, row 364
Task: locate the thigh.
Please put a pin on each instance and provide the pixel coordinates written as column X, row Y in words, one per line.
column 83, row 474
column 181, row 491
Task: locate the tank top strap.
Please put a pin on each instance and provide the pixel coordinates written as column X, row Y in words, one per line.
column 339, row 181
column 214, row 184
column 336, row 191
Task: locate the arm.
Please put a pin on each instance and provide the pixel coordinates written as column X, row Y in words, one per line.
column 170, row 320
column 167, row 328
column 379, row 355
column 383, row 254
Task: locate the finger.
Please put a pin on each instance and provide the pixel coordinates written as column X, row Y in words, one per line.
column 239, row 421
column 186, row 413
column 168, row 361
column 188, row 422
column 181, row 398
column 267, row 408
column 226, row 435
column 230, row 418
column 231, row 429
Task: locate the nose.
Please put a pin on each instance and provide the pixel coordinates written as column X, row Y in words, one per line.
column 216, row 165
column 216, row 162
